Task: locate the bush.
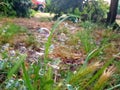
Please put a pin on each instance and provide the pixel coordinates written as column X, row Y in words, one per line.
column 92, row 10
column 95, row 10
column 64, row 6
column 6, row 8
column 18, row 8
column 22, row 7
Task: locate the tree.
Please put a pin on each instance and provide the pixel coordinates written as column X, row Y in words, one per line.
column 112, row 12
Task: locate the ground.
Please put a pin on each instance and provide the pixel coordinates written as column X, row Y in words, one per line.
column 44, row 20
column 70, row 46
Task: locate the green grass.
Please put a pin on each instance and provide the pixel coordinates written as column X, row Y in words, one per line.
column 87, row 40
column 16, row 66
column 8, row 31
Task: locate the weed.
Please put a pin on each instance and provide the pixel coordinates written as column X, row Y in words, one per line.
column 86, row 40
column 30, row 41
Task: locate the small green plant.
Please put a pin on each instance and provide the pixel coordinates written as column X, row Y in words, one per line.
column 86, row 40
column 30, row 41
column 47, row 45
column 32, row 12
column 77, row 11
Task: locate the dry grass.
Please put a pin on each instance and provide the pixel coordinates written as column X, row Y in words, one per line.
column 46, row 15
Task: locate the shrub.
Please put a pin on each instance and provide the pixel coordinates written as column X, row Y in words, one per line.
column 92, row 10
column 22, row 7
column 64, row 6
column 98, row 10
column 6, row 7
column 15, row 7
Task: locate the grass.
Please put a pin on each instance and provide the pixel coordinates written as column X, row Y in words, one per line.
column 13, row 34
column 44, row 17
column 87, row 40
column 114, row 87
column 93, row 74
column 8, row 31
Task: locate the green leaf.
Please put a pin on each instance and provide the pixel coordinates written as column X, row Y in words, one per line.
column 27, row 78
column 16, row 66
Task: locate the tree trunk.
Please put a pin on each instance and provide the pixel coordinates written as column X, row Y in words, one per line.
column 113, row 12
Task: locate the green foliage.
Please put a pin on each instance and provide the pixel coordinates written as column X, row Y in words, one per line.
column 89, row 10
column 6, row 7
column 21, row 8
column 77, row 11
column 87, row 40
column 95, row 10
column 31, row 41
column 26, row 77
column 40, row 76
column 16, row 66
column 64, row 6
column 48, row 43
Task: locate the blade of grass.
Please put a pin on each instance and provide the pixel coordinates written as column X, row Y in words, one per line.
column 36, row 73
column 26, row 78
column 98, row 73
column 16, row 66
column 47, row 45
column 49, row 80
column 92, row 54
column 89, row 56
column 113, row 88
